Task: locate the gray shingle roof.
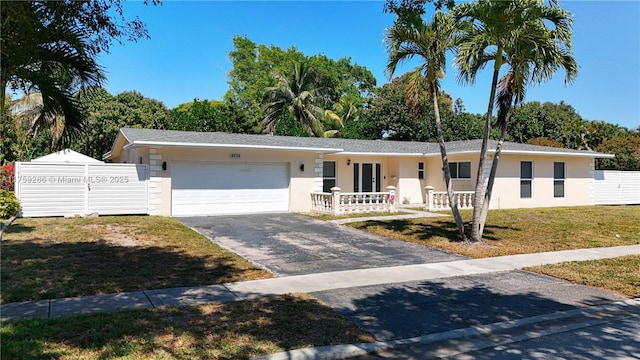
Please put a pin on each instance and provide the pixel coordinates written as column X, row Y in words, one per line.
column 331, row 145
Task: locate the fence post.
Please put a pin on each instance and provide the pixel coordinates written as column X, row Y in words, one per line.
column 429, row 190
column 393, row 204
column 335, row 200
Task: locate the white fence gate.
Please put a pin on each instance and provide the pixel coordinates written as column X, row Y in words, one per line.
column 612, row 187
column 67, row 189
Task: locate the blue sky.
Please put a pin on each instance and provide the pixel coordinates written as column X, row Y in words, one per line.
column 187, row 55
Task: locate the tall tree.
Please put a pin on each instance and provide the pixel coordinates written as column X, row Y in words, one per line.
column 533, row 40
column 627, row 151
column 51, row 48
column 254, row 65
column 203, row 115
column 106, row 114
column 429, row 42
column 297, row 95
column 342, row 112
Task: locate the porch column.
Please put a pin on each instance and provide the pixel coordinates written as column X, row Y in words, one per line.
column 335, row 200
column 429, row 190
column 393, row 204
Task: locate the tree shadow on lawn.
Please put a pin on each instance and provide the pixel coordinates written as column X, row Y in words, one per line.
column 236, row 330
column 32, row 270
column 19, row 228
column 434, row 229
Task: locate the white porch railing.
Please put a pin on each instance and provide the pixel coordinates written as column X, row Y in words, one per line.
column 322, row 203
column 337, row 203
column 438, row 200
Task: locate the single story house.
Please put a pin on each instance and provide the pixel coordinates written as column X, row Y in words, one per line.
column 196, row 173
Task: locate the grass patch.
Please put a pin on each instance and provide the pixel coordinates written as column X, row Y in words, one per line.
column 522, row 231
column 618, row 274
column 237, row 330
column 55, row 257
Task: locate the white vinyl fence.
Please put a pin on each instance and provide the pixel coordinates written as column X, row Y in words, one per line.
column 612, row 187
column 67, row 189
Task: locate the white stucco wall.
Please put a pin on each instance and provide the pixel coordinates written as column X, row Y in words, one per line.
column 577, row 188
column 435, row 176
column 301, row 184
column 410, row 188
column 399, row 171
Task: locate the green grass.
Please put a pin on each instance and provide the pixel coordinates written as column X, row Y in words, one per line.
column 55, row 257
column 522, row 231
column 238, row 330
column 620, row 274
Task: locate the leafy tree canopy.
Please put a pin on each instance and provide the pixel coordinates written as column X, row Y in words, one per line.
column 627, row 150
column 254, row 66
column 106, row 114
column 210, row 115
column 389, row 116
column 51, row 48
column 410, row 12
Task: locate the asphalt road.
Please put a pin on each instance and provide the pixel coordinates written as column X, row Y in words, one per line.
column 617, row 337
column 398, row 311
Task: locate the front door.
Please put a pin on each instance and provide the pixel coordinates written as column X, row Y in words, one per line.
column 366, row 177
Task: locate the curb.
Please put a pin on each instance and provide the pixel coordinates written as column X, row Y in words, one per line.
column 345, row 351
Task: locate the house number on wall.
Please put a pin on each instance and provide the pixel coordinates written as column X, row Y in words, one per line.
column 234, row 156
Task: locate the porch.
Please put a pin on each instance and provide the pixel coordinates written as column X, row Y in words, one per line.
column 339, row 203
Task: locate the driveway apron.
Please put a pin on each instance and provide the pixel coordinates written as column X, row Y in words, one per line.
column 291, row 244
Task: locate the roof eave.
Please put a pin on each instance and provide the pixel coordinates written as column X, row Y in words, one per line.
column 558, row 153
column 356, row 153
column 111, row 153
column 231, row 146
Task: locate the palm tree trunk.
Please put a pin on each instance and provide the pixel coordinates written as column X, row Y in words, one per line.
column 492, row 174
column 445, row 165
column 3, row 97
column 475, row 233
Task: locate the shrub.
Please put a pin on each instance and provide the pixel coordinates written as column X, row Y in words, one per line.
column 9, row 204
column 7, row 178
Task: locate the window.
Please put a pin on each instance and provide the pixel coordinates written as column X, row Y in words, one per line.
column 328, row 176
column 526, row 179
column 460, row 170
column 420, row 170
column 558, row 179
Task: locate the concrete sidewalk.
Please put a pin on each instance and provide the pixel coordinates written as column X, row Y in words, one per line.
column 304, row 283
column 412, row 214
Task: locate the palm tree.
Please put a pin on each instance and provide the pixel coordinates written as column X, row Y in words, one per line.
column 342, row 111
column 513, row 33
column 298, row 96
column 429, row 42
column 54, row 61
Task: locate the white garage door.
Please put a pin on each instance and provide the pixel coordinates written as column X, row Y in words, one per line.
column 220, row 188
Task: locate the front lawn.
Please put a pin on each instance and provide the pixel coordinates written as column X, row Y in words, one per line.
column 44, row 258
column 620, row 274
column 237, row 330
column 521, row 231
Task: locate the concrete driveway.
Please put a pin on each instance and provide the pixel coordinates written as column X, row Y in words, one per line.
column 291, row 244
